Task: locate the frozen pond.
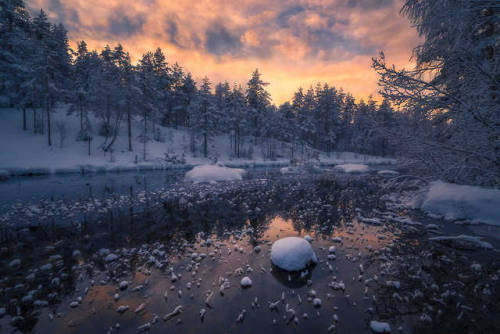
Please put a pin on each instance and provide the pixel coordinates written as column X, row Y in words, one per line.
column 170, row 257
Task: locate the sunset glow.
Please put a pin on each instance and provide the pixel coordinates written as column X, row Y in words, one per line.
column 293, row 43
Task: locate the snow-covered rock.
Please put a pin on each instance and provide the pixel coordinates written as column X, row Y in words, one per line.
column 380, row 327
column 352, row 168
column 214, row 173
column 111, row 257
column 246, row 282
column 387, row 173
column 15, row 263
column 454, row 202
column 292, row 254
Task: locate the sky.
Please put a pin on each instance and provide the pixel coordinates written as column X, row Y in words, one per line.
column 293, row 43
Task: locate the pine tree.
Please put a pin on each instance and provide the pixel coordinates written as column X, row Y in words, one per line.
column 258, row 99
column 204, row 116
column 237, row 110
column 51, row 67
column 15, row 48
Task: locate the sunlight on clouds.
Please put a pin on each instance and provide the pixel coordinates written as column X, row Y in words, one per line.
column 293, row 43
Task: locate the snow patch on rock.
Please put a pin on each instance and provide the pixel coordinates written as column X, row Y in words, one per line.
column 352, row 168
column 453, row 201
column 214, row 173
column 292, row 254
column 380, row 327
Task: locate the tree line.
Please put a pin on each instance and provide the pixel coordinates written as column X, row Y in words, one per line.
column 441, row 117
column 40, row 71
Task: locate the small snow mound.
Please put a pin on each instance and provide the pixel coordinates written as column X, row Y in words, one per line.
column 380, row 327
column 111, row 257
column 214, row 173
column 246, row 282
column 387, row 172
column 292, row 254
column 352, row 168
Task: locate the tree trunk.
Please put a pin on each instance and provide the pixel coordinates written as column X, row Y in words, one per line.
column 129, row 128
column 81, row 116
column 49, row 136
column 34, row 120
column 144, row 137
column 24, row 119
column 47, row 107
column 205, row 148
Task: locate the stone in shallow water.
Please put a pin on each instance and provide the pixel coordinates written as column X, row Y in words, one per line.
column 292, row 254
column 246, row 282
column 380, row 327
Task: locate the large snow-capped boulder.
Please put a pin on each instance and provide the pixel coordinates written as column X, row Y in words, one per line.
column 214, row 173
column 292, row 254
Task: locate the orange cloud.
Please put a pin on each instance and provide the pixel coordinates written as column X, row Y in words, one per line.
column 293, row 43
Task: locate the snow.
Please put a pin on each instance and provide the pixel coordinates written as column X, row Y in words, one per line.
column 456, row 202
column 387, row 172
column 352, row 168
column 380, row 327
column 214, row 173
column 246, row 282
column 32, row 156
column 111, row 257
column 308, row 238
column 464, row 239
column 292, row 253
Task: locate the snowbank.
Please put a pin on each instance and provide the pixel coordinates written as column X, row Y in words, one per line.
column 292, row 254
column 214, row 173
column 32, row 156
column 352, row 168
column 454, row 202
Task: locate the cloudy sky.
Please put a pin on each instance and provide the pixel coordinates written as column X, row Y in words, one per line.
column 293, row 43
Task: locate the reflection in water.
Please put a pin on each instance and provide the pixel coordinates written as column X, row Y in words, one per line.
column 292, row 280
column 168, row 239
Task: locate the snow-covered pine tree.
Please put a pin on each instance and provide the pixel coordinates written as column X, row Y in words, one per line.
column 204, row 115
column 15, row 48
column 258, row 99
column 51, row 66
column 454, row 86
column 237, row 112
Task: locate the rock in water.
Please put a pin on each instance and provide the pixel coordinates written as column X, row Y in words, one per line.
column 380, row 327
column 246, row 282
column 292, row 254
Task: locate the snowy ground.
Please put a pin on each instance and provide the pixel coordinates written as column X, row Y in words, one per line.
column 25, row 153
column 458, row 202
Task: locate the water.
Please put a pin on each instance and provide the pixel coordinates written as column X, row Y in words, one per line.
column 154, row 232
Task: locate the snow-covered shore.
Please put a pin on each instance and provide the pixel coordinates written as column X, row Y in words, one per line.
column 25, row 153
